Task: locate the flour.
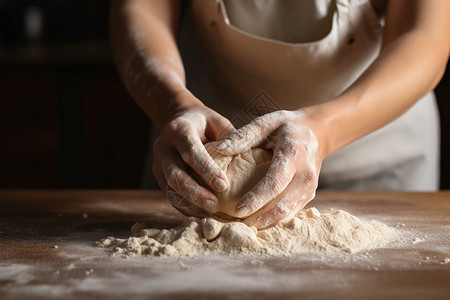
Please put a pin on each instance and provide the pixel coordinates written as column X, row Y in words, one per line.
column 445, row 261
column 308, row 232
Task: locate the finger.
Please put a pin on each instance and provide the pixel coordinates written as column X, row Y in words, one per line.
column 159, row 175
column 195, row 155
column 177, row 201
column 184, row 206
column 286, row 206
column 305, row 199
column 279, row 175
column 219, row 128
column 256, row 132
column 178, row 179
column 246, row 137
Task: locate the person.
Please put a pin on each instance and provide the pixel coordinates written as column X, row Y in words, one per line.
column 341, row 88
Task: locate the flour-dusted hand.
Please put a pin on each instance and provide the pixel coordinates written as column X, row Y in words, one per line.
column 180, row 148
column 292, row 178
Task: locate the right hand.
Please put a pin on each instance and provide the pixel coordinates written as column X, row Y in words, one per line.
column 180, row 148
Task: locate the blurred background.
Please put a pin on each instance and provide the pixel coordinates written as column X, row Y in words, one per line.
column 66, row 120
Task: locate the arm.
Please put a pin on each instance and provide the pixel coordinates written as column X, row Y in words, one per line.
column 411, row 62
column 143, row 34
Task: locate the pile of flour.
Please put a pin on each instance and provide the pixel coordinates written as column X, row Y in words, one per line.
column 308, row 232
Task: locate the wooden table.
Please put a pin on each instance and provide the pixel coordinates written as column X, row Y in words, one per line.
column 48, row 250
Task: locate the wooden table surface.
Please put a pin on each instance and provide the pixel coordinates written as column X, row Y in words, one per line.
column 33, row 223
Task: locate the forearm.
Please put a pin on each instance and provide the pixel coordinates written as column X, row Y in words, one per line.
column 143, row 35
column 410, row 64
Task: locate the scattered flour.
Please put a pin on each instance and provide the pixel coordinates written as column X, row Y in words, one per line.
column 309, row 231
column 417, row 240
column 445, row 261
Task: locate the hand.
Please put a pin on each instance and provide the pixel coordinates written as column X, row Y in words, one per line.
column 292, row 178
column 180, row 148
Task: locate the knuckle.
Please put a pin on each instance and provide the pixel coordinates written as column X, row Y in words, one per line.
column 174, row 176
column 172, row 127
column 238, row 135
column 279, row 212
column 196, row 195
column 259, row 125
column 258, row 121
column 202, row 161
column 177, row 127
column 277, row 183
column 187, row 155
column 176, row 199
column 188, row 151
column 287, row 114
column 209, row 171
column 289, row 148
column 309, row 177
column 289, row 128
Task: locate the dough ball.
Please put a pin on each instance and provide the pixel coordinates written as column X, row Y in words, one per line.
column 243, row 171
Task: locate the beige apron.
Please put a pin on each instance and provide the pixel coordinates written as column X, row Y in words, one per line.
column 251, row 73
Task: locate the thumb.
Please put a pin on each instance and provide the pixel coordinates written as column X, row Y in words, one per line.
column 245, row 138
column 219, row 128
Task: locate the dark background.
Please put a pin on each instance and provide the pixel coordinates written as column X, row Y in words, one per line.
column 66, row 121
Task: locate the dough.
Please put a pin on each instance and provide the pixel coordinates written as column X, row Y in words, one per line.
column 243, row 171
column 308, row 232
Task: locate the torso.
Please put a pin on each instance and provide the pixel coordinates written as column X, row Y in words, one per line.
column 248, row 68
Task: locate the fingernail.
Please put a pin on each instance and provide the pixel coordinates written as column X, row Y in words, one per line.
column 242, row 212
column 219, row 184
column 210, row 205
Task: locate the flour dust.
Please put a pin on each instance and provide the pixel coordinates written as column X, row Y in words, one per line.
column 308, row 232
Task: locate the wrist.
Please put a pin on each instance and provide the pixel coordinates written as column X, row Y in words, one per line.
column 319, row 122
column 178, row 104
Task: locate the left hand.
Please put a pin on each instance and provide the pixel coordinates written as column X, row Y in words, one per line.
column 292, row 178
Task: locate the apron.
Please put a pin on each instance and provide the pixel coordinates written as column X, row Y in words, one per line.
column 242, row 73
